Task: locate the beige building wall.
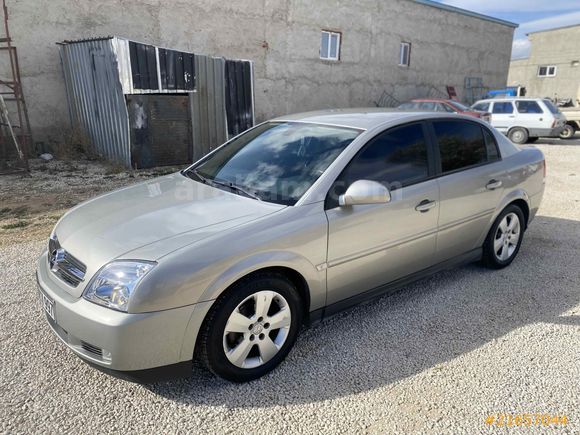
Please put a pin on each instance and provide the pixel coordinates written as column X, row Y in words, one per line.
column 282, row 37
column 558, row 47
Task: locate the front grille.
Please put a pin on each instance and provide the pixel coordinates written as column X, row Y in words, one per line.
column 92, row 349
column 63, row 264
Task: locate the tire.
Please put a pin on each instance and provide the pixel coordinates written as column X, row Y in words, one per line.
column 518, row 135
column 500, row 248
column 244, row 356
column 532, row 139
column 568, row 132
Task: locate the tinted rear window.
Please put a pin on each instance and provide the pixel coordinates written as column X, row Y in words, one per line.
column 503, row 107
column 461, row 144
column 551, row 107
column 528, row 107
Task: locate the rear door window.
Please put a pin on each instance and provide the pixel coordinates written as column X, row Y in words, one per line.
column 491, row 145
column 528, row 107
column 428, row 106
column 461, row 144
column 500, row 107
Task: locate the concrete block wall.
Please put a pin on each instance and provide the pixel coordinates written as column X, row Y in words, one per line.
column 560, row 48
column 282, row 37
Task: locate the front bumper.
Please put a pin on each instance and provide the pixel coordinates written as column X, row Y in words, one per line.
column 120, row 341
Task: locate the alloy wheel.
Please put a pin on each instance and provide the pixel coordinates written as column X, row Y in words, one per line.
column 257, row 329
column 507, row 237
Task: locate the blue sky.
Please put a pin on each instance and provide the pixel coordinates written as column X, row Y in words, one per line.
column 531, row 15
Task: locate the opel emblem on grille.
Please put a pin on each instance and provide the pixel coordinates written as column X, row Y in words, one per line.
column 57, row 257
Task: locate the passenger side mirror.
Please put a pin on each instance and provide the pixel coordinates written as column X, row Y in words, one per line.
column 365, row 192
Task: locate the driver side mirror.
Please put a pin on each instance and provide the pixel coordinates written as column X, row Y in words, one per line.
column 365, row 192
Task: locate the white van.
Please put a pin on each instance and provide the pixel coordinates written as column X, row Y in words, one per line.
column 523, row 119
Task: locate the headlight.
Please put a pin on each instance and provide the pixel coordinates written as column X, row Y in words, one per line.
column 113, row 285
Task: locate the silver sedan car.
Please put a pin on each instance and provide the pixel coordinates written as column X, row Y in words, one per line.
column 284, row 225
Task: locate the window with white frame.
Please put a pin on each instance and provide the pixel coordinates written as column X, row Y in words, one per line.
column 546, row 71
column 330, row 45
column 405, row 54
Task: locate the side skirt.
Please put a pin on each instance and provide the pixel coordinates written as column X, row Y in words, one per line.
column 362, row 298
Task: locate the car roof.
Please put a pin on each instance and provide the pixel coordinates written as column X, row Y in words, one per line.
column 489, row 100
column 362, row 119
column 430, row 100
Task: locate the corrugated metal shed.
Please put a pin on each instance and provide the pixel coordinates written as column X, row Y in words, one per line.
column 101, row 75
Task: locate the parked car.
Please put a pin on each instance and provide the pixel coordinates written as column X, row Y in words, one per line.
column 290, row 222
column 524, row 119
column 443, row 105
column 572, row 115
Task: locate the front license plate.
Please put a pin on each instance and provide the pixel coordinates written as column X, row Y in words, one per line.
column 47, row 305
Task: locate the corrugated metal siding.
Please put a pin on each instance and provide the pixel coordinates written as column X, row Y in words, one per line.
column 239, row 96
column 208, row 106
column 95, row 97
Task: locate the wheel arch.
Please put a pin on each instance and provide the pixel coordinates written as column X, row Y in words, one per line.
column 525, row 207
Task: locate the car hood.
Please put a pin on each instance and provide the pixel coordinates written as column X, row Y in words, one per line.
column 149, row 220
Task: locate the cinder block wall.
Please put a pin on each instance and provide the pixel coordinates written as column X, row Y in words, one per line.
column 282, row 37
column 559, row 48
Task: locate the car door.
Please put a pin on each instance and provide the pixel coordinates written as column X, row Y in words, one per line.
column 531, row 116
column 470, row 184
column 371, row 245
column 502, row 115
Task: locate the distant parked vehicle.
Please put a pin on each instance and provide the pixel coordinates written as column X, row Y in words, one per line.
column 443, row 105
column 572, row 115
column 524, row 119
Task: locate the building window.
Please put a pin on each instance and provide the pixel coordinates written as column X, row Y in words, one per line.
column 546, row 71
column 330, row 45
column 405, row 54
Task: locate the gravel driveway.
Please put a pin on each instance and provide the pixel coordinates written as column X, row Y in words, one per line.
column 437, row 357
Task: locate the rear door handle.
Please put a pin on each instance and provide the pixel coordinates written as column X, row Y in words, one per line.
column 493, row 184
column 425, row 205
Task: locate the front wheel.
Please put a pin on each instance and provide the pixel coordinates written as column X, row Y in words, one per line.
column 568, row 132
column 251, row 328
column 504, row 238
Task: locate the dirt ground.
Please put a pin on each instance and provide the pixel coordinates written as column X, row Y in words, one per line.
column 31, row 204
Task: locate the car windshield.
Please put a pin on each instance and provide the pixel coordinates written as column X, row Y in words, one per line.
column 275, row 161
column 459, row 106
column 551, row 107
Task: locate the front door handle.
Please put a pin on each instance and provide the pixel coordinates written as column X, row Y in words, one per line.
column 425, row 205
column 493, row 184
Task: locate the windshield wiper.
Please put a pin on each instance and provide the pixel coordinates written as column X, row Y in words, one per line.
column 235, row 187
column 228, row 184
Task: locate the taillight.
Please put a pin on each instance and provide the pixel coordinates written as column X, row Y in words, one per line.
column 554, row 123
column 544, row 169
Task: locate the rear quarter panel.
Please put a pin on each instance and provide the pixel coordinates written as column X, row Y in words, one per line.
column 523, row 180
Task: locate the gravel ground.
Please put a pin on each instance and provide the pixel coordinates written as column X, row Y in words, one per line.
column 437, row 357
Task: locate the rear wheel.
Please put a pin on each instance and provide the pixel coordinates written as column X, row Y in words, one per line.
column 504, row 238
column 568, row 132
column 251, row 329
column 518, row 135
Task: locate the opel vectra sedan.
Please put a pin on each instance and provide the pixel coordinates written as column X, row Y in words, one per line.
column 285, row 224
